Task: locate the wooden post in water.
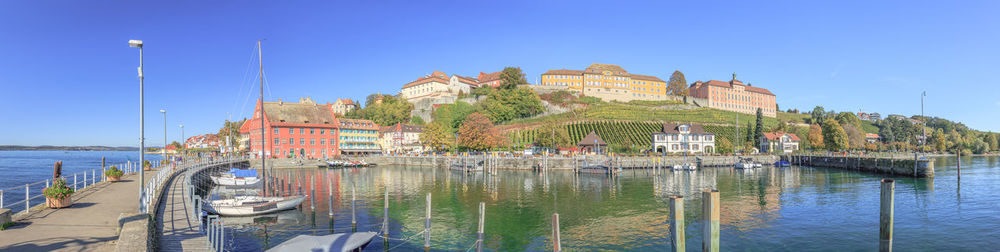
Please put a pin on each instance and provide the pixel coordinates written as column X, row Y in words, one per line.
column 710, row 215
column 427, row 225
column 385, row 215
column 677, row 238
column 312, row 192
column 329, row 191
column 958, row 154
column 354, row 217
column 885, row 215
column 482, row 218
column 556, row 243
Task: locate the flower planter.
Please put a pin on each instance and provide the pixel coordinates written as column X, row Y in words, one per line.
column 147, row 168
column 58, row 203
column 113, row 179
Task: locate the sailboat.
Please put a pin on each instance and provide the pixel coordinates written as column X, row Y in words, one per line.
column 246, row 205
column 236, row 177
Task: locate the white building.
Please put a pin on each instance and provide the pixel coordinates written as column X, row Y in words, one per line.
column 438, row 85
column 678, row 138
column 779, row 142
column 401, row 138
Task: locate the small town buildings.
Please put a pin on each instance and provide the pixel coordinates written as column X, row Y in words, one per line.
column 203, row 141
column 401, row 138
column 490, row 79
column 592, row 143
column 357, row 136
column 300, row 130
column 869, row 116
column 344, row 106
column 442, row 88
column 779, row 142
column 872, row 138
column 734, row 96
column 683, row 138
column 608, row 82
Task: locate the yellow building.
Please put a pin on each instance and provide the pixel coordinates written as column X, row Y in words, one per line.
column 358, row 136
column 608, row 82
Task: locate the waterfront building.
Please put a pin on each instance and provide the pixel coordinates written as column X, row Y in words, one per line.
column 734, row 96
column 203, row 141
column 779, row 142
column 357, row 136
column 300, row 130
column 683, row 138
column 608, row 82
column 401, row 138
column 872, row 138
column 344, row 106
column 592, row 143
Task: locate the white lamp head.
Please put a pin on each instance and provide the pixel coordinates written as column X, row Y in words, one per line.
column 135, row 43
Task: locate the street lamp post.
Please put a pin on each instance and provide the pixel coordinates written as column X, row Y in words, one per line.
column 183, row 143
column 142, row 128
column 924, row 120
column 164, row 112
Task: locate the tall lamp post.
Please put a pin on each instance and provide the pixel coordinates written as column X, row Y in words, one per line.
column 164, row 112
column 142, row 128
column 183, row 143
column 924, row 120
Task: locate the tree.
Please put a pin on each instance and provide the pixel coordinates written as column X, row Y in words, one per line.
column 834, row 137
column 176, row 145
column 391, row 110
column 231, row 129
column 478, row 133
column 437, row 136
column 848, row 118
column 938, row 140
column 758, row 131
column 723, row 146
column 507, row 104
column 815, row 136
column 417, row 120
column 855, row 136
column 993, row 141
column 552, row 135
column 748, row 136
column 979, row 146
column 511, row 78
column 817, row 115
column 677, row 85
column 452, row 115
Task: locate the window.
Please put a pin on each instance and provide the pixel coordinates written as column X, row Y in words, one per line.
column 291, row 130
column 275, row 131
column 694, row 138
column 291, row 141
column 312, row 141
column 276, row 141
column 302, row 141
column 322, row 141
column 302, row 130
column 312, row 131
column 322, row 131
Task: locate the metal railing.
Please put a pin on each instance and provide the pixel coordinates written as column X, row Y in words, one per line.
column 213, row 227
column 33, row 192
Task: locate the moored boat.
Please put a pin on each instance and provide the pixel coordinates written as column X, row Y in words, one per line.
column 782, row 163
column 467, row 167
column 252, row 205
column 236, row 177
column 327, row 243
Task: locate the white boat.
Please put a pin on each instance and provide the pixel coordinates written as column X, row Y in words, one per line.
column 252, row 205
column 678, row 167
column 689, row 167
column 230, row 180
column 326, row 243
column 742, row 165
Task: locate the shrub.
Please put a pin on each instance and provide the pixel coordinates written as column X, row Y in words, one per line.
column 113, row 172
column 58, row 190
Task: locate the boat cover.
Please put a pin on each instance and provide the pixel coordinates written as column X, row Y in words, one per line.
column 243, row 172
column 327, row 243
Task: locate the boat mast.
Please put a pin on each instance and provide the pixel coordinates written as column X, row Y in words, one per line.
column 263, row 140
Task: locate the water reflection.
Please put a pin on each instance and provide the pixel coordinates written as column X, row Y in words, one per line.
column 762, row 209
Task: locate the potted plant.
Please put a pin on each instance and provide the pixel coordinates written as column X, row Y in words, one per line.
column 58, row 195
column 113, row 173
column 147, row 166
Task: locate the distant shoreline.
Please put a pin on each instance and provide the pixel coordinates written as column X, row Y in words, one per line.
column 65, row 148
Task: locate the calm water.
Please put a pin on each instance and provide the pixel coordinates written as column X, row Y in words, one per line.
column 18, row 168
column 770, row 209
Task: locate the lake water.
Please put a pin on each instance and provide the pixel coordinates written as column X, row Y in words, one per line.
column 18, row 168
column 769, row 209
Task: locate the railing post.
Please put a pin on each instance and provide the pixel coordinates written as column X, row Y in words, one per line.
column 93, row 176
column 710, row 213
column 74, row 182
column 677, row 239
column 84, row 179
column 27, row 198
column 1, row 198
column 886, row 214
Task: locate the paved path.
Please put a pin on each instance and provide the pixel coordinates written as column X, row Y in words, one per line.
column 89, row 225
column 178, row 229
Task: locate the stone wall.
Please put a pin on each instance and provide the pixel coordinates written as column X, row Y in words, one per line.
column 896, row 166
column 564, row 163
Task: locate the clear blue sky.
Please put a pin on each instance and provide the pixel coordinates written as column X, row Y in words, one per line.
column 68, row 77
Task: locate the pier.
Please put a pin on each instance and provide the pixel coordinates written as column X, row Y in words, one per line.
column 890, row 164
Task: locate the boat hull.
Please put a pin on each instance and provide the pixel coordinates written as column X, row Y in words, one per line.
column 227, row 208
column 234, row 181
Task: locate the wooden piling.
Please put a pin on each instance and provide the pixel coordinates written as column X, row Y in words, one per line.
column 710, row 215
column 677, row 239
column 354, row 217
column 958, row 155
column 556, row 243
column 385, row 215
column 427, row 225
column 482, row 221
column 886, row 214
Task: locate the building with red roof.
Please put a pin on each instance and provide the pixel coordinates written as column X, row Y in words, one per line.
column 735, row 96
column 779, row 142
column 306, row 130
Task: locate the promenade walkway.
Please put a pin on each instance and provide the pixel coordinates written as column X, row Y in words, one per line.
column 178, row 229
column 89, row 225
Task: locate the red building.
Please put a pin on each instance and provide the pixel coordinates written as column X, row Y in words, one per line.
column 734, row 96
column 304, row 129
